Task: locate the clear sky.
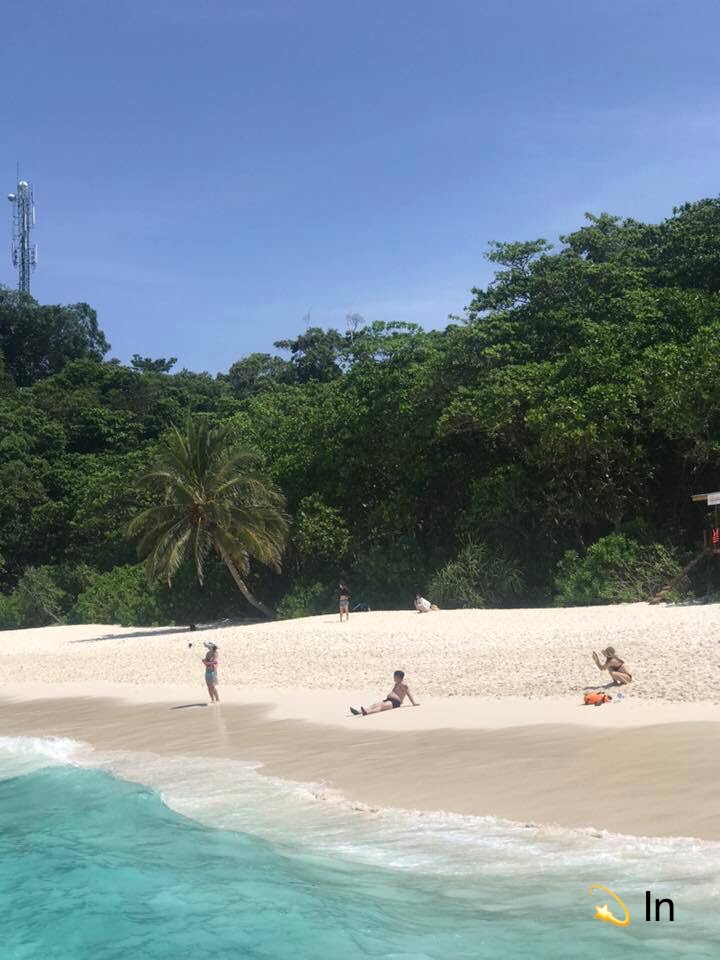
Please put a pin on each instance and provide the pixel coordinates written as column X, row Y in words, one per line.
column 209, row 172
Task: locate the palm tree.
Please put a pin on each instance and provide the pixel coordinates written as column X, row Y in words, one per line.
column 212, row 496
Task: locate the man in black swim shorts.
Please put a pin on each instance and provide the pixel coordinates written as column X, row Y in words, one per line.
column 394, row 699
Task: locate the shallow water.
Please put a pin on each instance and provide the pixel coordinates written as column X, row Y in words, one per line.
column 139, row 856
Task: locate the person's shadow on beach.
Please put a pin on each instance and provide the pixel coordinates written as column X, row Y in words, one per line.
column 601, row 686
column 186, row 706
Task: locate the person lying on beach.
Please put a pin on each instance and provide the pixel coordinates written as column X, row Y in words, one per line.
column 422, row 605
column 614, row 666
column 394, row 699
column 211, row 678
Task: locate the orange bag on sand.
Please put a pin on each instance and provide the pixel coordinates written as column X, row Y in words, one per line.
column 596, row 699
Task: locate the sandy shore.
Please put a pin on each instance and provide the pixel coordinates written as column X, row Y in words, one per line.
column 500, row 731
column 650, row 778
column 673, row 652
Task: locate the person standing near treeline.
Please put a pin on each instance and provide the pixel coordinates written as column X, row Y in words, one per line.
column 344, row 601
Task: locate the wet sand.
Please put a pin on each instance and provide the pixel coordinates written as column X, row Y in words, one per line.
column 501, row 729
column 653, row 779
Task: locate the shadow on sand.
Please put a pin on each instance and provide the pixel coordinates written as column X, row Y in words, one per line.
column 166, row 631
column 186, row 706
column 159, row 632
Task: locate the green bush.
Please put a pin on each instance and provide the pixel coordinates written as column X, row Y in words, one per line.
column 615, row 569
column 9, row 612
column 41, row 601
column 121, row 596
column 304, row 600
column 43, row 596
column 476, row 578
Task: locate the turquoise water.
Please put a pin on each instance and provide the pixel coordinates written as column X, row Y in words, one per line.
column 96, row 866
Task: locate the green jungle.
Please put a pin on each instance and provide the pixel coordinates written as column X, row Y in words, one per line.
column 541, row 449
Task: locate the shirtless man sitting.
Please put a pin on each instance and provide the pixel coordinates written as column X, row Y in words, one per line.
column 394, row 699
column 614, row 666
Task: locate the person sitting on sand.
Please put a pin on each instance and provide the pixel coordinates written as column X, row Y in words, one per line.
column 614, row 666
column 211, row 678
column 394, row 699
column 422, row 605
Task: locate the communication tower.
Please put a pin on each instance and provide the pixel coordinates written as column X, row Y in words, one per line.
column 24, row 251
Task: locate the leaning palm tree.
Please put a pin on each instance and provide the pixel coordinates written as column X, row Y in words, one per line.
column 211, row 496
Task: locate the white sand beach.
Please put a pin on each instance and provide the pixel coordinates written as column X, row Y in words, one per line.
column 501, row 729
column 673, row 652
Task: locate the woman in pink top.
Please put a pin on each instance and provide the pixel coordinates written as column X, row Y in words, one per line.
column 211, row 678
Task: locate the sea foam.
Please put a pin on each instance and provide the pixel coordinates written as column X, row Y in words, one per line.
column 20, row 755
column 315, row 820
column 493, row 870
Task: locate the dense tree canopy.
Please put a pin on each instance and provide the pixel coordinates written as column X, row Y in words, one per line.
column 37, row 341
column 577, row 398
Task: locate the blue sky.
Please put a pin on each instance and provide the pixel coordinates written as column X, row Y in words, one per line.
column 208, row 172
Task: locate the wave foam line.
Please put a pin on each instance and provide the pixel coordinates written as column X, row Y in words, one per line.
column 316, row 820
column 313, row 818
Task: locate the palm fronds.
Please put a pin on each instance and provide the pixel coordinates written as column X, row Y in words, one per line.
column 212, row 494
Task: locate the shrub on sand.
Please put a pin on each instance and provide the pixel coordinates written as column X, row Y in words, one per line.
column 39, row 597
column 304, row 600
column 476, row 578
column 9, row 612
column 615, row 569
column 123, row 595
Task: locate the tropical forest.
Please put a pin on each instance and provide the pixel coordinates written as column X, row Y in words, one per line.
column 540, row 449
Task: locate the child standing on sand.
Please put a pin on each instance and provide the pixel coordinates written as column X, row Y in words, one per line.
column 614, row 666
column 211, row 678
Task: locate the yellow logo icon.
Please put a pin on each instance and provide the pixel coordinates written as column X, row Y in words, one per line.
column 606, row 915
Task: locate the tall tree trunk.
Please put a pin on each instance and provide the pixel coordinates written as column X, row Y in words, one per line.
column 242, row 586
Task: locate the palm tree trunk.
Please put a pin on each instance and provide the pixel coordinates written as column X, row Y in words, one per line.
column 242, row 586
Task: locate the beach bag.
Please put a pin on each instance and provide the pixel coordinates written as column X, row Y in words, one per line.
column 596, row 699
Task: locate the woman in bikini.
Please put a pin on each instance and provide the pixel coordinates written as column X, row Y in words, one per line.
column 614, row 666
column 393, row 700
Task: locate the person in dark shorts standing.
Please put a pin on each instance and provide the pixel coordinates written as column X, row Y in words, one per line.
column 344, row 601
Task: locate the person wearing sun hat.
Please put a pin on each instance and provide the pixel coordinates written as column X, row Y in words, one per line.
column 211, row 678
column 614, row 666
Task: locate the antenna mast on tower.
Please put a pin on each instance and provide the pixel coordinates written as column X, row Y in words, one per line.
column 24, row 252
